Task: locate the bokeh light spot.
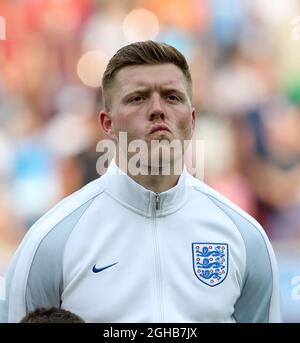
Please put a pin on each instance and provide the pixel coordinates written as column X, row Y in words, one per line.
column 140, row 24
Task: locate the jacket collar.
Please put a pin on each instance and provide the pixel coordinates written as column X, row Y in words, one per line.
column 134, row 196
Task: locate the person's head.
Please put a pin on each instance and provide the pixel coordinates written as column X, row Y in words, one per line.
column 51, row 315
column 147, row 91
column 143, row 53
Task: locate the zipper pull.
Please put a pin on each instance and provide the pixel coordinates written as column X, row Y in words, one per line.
column 157, row 201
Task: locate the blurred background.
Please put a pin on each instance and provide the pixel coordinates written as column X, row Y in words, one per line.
column 245, row 62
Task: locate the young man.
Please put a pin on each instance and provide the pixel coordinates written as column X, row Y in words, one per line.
column 141, row 244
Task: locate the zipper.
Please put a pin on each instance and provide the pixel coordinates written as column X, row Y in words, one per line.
column 157, row 201
column 157, row 262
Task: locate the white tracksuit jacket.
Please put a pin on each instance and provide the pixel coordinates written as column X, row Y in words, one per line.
column 117, row 252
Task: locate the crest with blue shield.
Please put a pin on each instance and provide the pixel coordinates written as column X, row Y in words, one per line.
column 210, row 262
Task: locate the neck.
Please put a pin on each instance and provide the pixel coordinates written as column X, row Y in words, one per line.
column 156, row 183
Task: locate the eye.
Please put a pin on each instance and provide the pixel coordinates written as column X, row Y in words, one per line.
column 136, row 99
column 173, row 98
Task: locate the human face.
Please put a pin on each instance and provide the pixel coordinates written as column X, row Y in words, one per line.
column 150, row 102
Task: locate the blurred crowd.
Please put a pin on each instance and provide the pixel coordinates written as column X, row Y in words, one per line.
column 246, row 92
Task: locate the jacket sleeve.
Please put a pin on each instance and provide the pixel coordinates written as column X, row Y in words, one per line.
column 41, row 286
column 35, row 276
column 259, row 300
column 260, row 296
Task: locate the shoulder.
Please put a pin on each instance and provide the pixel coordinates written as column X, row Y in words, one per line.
column 37, row 265
column 255, row 241
column 259, row 252
column 53, row 229
column 58, row 222
column 70, row 207
column 248, row 227
column 260, row 281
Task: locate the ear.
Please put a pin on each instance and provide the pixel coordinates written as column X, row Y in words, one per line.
column 193, row 119
column 107, row 124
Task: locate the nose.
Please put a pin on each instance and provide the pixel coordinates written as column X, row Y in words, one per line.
column 156, row 110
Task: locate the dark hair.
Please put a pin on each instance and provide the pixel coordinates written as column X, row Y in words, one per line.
column 51, row 315
column 139, row 53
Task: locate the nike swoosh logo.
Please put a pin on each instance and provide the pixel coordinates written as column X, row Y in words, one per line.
column 98, row 270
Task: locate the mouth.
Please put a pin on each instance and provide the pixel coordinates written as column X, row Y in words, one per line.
column 159, row 129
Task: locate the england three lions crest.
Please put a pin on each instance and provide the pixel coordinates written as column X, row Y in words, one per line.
column 210, row 262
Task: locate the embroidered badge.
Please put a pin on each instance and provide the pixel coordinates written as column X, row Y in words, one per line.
column 210, row 262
